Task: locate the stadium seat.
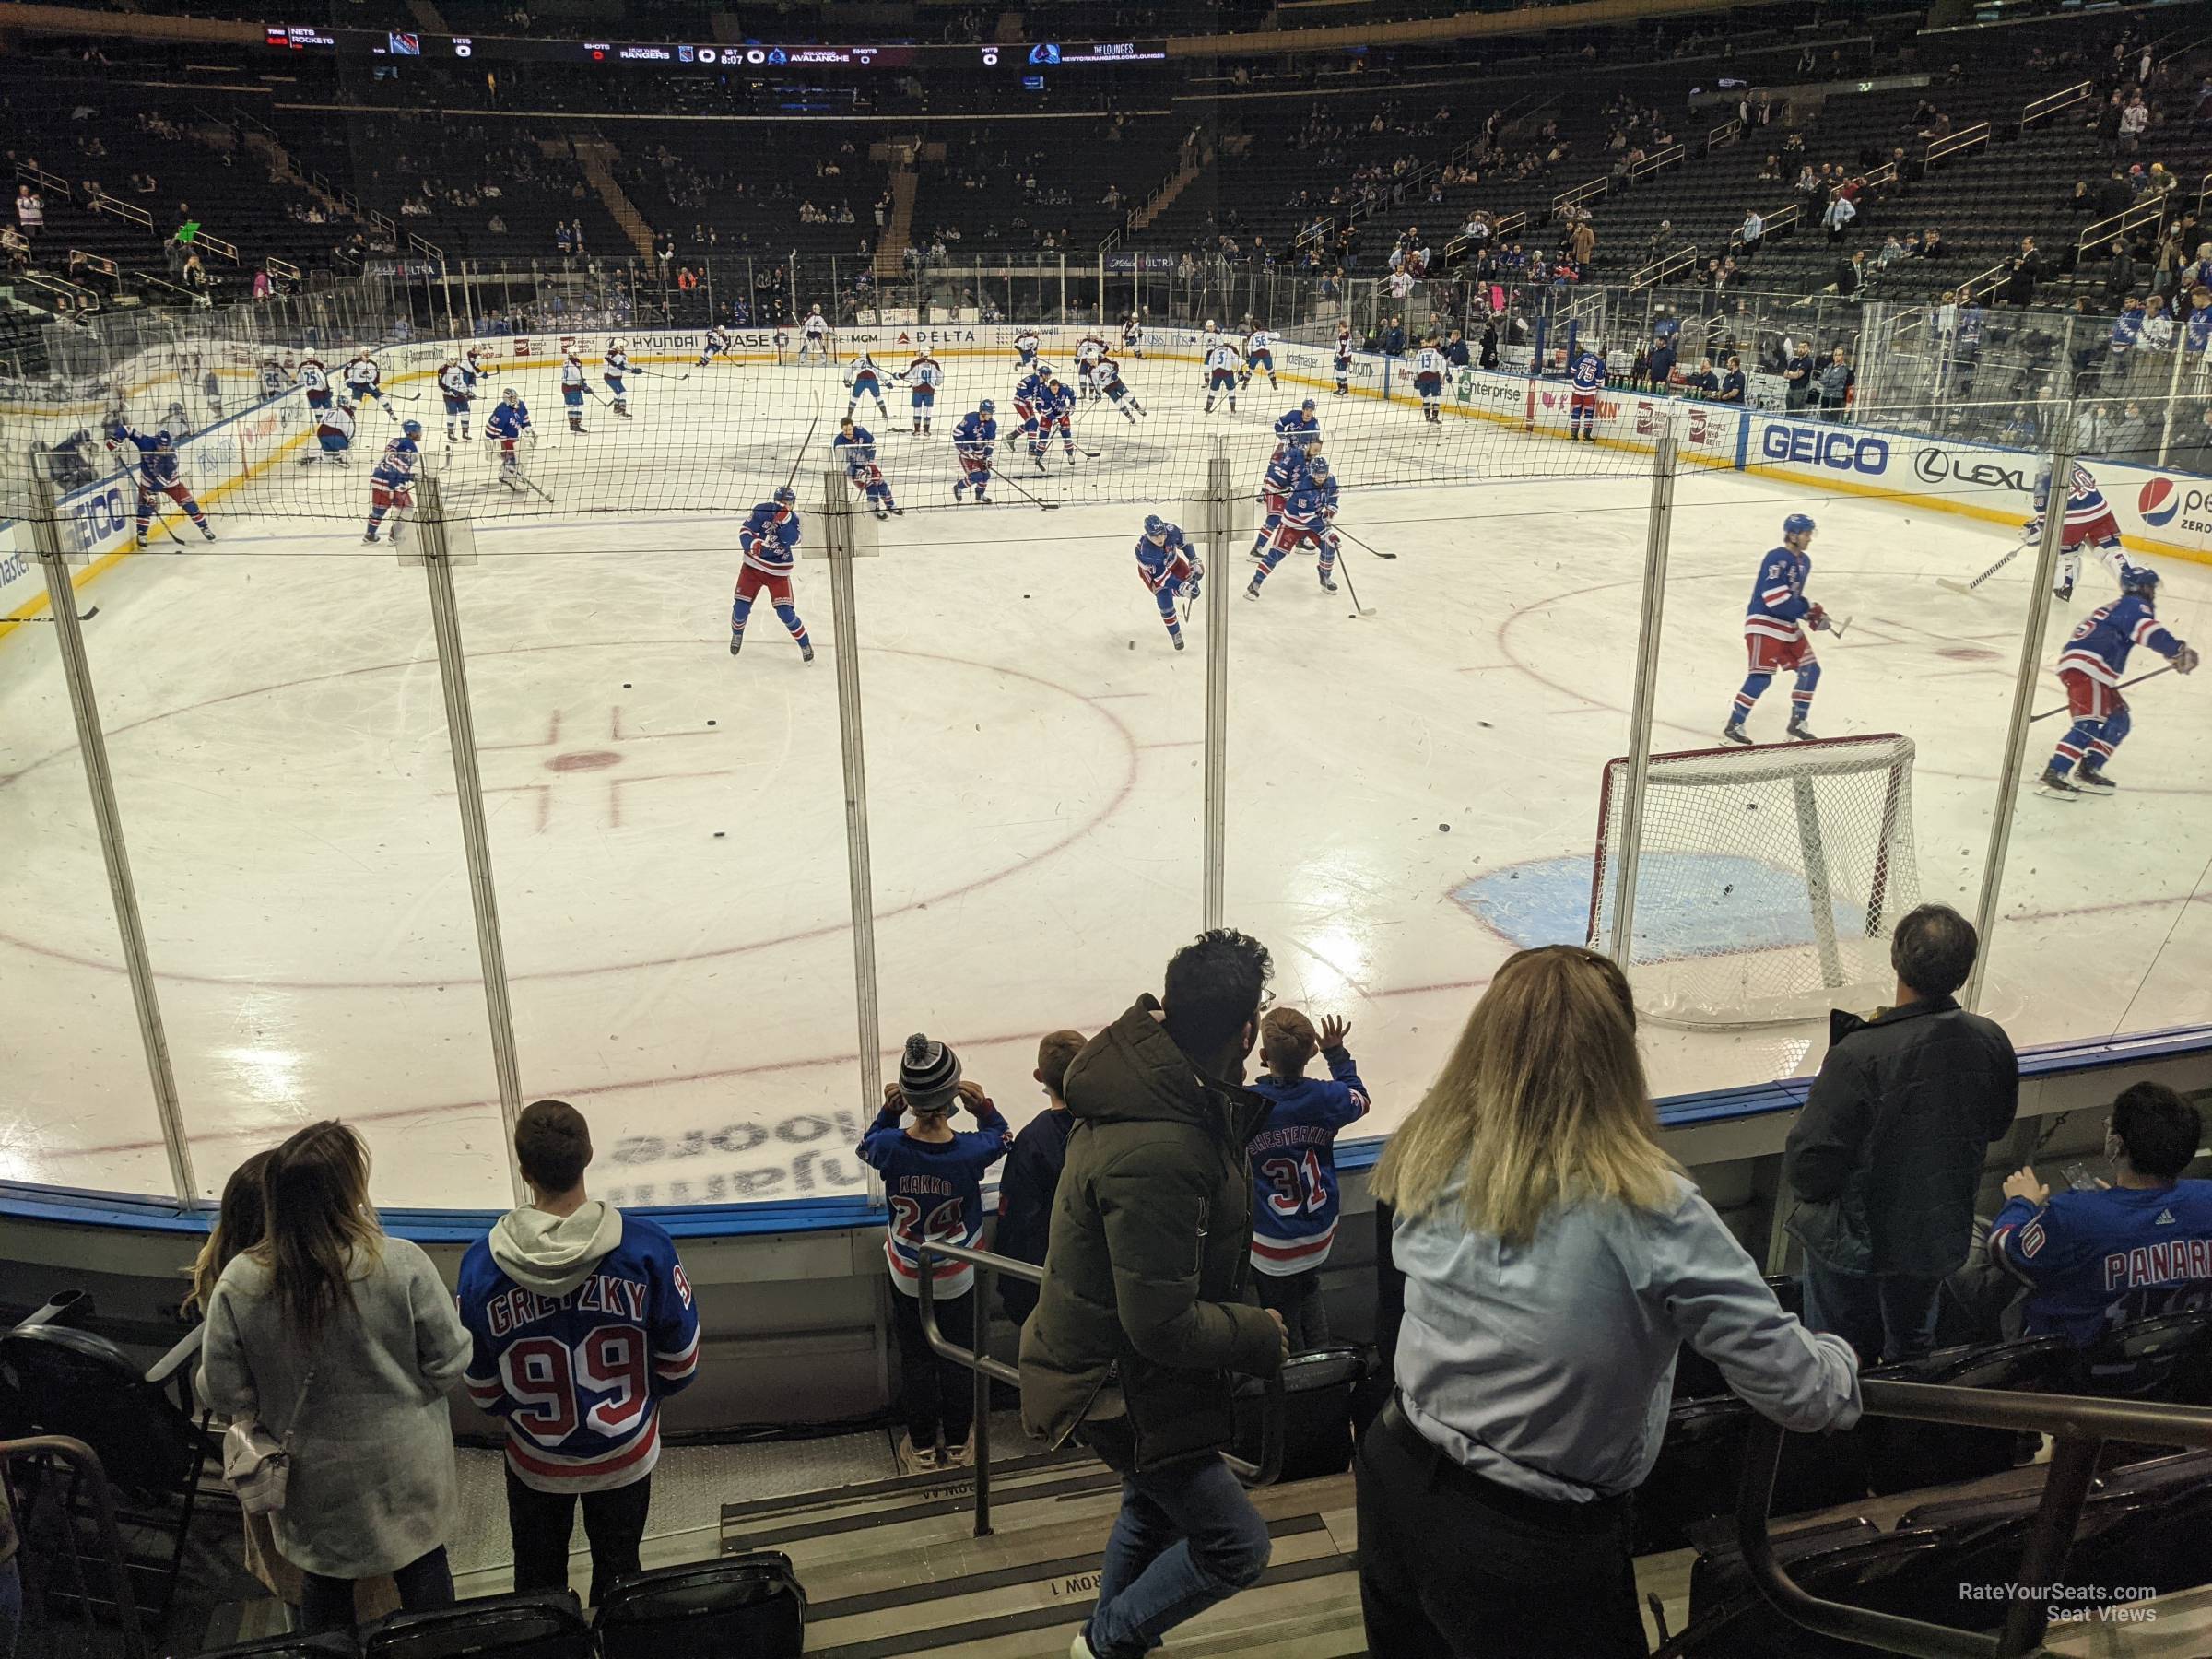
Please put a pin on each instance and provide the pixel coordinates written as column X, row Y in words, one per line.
column 1317, row 1411
column 1901, row 1455
column 337, row 1644
column 538, row 1625
column 750, row 1606
column 2149, row 1358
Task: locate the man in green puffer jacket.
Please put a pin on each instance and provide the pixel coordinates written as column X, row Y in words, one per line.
column 1143, row 1317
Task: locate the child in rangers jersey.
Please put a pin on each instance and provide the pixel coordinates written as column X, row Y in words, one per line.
column 1428, row 368
column 1587, row 379
column 924, row 376
column 1286, row 471
column 864, row 379
column 572, row 388
column 1133, row 337
column 932, row 1179
column 1167, row 567
column 158, row 474
column 974, row 439
column 1025, row 350
column 854, row 446
column 314, row 380
column 1106, row 383
column 2088, row 523
column 364, row 380
column 1343, row 358
column 2091, row 668
column 770, row 538
column 1306, row 515
column 717, row 344
column 1220, row 376
column 1055, row 407
column 388, row 483
column 581, row 1322
column 1259, row 358
column 1293, row 1160
column 457, row 387
column 508, row 421
column 1774, row 631
column 333, row 436
column 813, row 336
column 616, row 373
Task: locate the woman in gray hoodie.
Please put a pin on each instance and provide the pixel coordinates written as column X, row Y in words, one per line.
column 343, row 1342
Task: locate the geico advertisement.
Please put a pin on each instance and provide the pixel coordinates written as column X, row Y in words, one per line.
column 1838, row 449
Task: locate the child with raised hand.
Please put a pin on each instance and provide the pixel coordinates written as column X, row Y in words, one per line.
column 1294, row 1167
column 933, row 1183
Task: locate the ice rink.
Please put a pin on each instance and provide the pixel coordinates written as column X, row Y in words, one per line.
column 667, row 823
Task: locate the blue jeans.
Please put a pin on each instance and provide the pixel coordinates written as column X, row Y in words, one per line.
column 1186, row 1537
column 326, row 1604
column 1886, row 1317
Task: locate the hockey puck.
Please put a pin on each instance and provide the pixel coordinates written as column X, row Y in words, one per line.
column 1445, row 829
column 718, row 835
column 1133, row 644
column 710, row 723
column 625, row 684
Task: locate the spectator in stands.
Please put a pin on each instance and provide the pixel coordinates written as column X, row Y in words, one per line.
column 1661, row 363
column 1555, row 1258
column 2097, row 1257
column 1799, row 389
column 1732, row 382
column 1032, row 1173
column 569, row 1438
column 2024, row 270
column 1754, row 228
column 1886, row 1157
column 2135, row 121
column 1839, row 215
column 342, row 1342
column 1293, row 1161
column 2127, row 335
column 1582, row 244
column 2120, row 272
column 2156, row 344
column 31, row 212
column 1851, row 275
column 15, row 247
column 1142, row 1323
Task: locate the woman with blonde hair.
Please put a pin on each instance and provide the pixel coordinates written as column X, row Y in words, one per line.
column 343, row 1342
column 1555, row 1257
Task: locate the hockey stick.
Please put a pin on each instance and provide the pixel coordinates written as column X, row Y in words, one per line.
column 1968, row 587
column 532, row 484
column 813, row 427
column 2053, row 714
column 1356, row 542
column 1837, row 629
column 83, row 615
column 656, row 375
column 1345, row 565
column 1024, row 495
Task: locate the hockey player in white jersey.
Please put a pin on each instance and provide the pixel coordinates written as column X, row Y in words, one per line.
column 1259, row 357
column 718, row 343
column 615, row 371
column 1025, row 348
column 1428, row 371
column 365, row 381
column 1133, row 337
column 1091, row 351
column 454, row 387
column 813, row 336
column 1106, row 383
column 922, row 378
column 572, row 388
column 1220, row 375
column 864, row 379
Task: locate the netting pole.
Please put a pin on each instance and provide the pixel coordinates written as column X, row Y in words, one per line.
column 2023, row 702
column 45, row 525
column 844, row 652
column 2174, row 391
column 1220, row 487
column 1631, row 852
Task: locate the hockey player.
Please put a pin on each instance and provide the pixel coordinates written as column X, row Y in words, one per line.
column 158, row 476
column 1055, row 407
column 922, row 377
column 1091, row 350
column 572, row 388
column 1106, row 383
column 1296, row 428
column 615, row 371
column 813, row 336
column 718, row 343
column 1306, row 515
column 1025, row 350
column 314, row 380
column 509, row 421
column 457, row 387
column 1587, row 379
column 1133, row 337
column 864, row 379
column 770, row 538
column 1293, row 1160
column 1343, row 359
column 2091, row 668
column 365, row 381
column 854, row 446
column 1428, row 368
column 1167, row 566
column 1286, row 471
column 974, row 439
column 1259, row 357
column 473, row 369
column 1208, row 337
column 1028, row 392
column 333, row 436
column 389, row 482
column 1774, row 631
column 273, row 379
column 2089, row 522
column 1220, row 376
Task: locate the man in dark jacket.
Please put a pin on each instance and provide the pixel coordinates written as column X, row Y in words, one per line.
column 1143, row 1316
column 1886, row 1157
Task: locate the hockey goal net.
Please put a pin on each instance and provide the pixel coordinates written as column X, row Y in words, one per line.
column 1766, row 879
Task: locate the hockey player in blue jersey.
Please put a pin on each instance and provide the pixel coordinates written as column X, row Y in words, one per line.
column 864, row 379
column 616, row 373
column 1294, row 427
column 770, row 541
column 510, row 423
column 1028, row 393
column 1587, row 380
column 1055, row 413
column 1293, row 1160
column 1286, row 471
column 932, row 1178
column 2089, row 523
column 391, row 481
column 1774, row 631
column 2103, row 1256
column 581, row 1324
column 2091, row 668
column 1170, row 568
column 854, row 447
column 1306, row 515
column 975, row 441
column 158, row 474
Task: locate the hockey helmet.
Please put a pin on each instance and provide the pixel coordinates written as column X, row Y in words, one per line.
column 1155, row 526
column 411, row 428
column 572, row 352
column 617, row 344
column 1318, row 467
column 2139, row 579
column 1797, row 523
column 346, row 403
column 162, row 439
column 1209, row 323
column 511, row 398
column 1309, row 406
column 786, row 496
column 986, row 407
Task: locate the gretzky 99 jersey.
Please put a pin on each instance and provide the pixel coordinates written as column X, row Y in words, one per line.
column 1294, row 1166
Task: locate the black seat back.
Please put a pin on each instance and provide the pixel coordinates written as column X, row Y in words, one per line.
column 540, row 1625
column 1318, row 1387
column 749, row 1607
column 60, row 1381
column 2145, row 1358
column 337, row 1644
column 1902, row 1454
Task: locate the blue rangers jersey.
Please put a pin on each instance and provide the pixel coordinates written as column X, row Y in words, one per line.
column 1293, row 426
column 2101, row 640
column 507, row 420
column 398, row 466
column 2084, row 502
column 1777, row 596
column 1054, row 401
column 157, row 461
column 973, row 435
column 1589, row 373
column 771, row 538
column 2096, row 1259
column 1285, row 472
column 1170, row 561
column 934, row 1191
column 857, row 451
column 1294, row 1165
column 579, row 1371
column 1310, row 506
column 1030, row 391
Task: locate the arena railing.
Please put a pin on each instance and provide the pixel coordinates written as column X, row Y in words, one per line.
column 978, row 1359
column 2042, row 108
column 120, row 1631
column 1957, row 144
column 2079, row 1427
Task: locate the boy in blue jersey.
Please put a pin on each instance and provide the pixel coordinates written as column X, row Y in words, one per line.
column 583, row 1323
column 933, row 1183
column 1294, row 1167
column 2095, row 1259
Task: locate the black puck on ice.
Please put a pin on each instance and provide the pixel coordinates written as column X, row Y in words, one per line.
column 710, row 723
column 625, row 684
column 1445, row 829
column 718, row 835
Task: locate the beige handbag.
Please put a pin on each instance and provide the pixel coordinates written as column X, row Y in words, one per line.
column 258, row 1466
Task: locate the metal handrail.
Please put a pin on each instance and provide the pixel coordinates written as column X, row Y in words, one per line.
column 2050, row 103
column 2148, row 211
column 102, row 202
column 1580, row 193
column 1657, row 161
column 2078, row 1424
column 1966, row 138
column 1725, row 133
column 85, row 1462
column 978, row 1359
column 1665, row 266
